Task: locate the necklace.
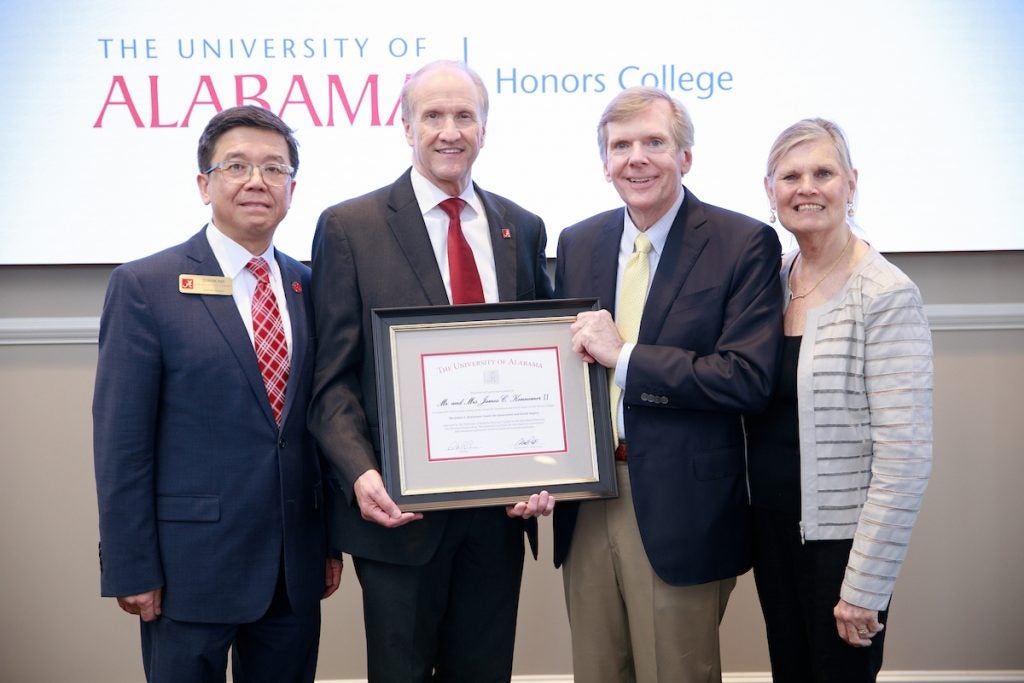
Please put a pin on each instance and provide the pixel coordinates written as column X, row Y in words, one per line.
column 789, row 281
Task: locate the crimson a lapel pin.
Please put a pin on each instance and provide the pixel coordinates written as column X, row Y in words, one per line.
column 506, row 234
column 296, row 287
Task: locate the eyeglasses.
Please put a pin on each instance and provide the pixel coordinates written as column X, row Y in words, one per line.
column 235, row 171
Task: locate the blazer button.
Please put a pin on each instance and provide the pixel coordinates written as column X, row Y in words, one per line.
column 281, row 443
column 645, row 397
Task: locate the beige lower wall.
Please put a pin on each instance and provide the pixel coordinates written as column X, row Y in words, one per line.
column 958, row 605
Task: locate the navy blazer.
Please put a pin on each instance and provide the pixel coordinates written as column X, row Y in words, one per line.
column 374, row 252
column 199, row 491
column 707, row 352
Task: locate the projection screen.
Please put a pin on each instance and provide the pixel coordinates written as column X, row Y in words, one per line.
column 105, row 102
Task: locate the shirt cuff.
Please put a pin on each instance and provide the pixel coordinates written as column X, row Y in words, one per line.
column 622, row 364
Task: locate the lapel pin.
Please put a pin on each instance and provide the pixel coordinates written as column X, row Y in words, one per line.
column 506, row 234
column 296, row 287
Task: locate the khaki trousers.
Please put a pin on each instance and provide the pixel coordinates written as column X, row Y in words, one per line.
column 627, row 624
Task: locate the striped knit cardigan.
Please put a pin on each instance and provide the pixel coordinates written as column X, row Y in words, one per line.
column 864, row 388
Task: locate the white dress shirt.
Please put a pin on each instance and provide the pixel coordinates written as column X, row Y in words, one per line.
column 474, row 227
column 658, row 234
column 233, row 258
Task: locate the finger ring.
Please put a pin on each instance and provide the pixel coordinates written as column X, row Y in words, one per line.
column 863, row 631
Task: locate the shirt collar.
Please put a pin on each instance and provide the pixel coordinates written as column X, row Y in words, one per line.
column 231, row 255
column 657, row 233
column 429, row 195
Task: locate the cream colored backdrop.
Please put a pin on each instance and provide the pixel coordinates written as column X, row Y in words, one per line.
column 959, row 605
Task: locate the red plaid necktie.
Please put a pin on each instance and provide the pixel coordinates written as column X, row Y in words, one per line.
column 465, row 278
column 268, row 337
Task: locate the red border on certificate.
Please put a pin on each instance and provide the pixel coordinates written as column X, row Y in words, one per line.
column 499, row 410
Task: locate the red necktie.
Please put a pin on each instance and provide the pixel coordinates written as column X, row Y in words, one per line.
column 465, row 278
column 268, row 337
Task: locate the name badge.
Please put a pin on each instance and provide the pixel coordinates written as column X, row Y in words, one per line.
column 204, row 284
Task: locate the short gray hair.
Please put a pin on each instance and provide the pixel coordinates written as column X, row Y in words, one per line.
column 444, row 64
column 807, row 130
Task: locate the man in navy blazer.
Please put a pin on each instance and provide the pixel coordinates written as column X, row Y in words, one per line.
column 647, row 576
column 440, row 589
column 210, row 504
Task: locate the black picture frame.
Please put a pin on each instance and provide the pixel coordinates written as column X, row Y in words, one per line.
column 579, row 466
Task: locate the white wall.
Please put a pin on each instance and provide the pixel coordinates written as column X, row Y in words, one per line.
column 957, row 606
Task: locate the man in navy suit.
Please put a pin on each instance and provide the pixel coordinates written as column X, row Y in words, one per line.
column 441, row 589
column 647, row 575
column 209, row 485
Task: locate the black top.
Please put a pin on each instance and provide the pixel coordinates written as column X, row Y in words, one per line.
column 774, row 455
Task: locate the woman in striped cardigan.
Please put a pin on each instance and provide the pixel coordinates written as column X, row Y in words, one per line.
column 840, row 460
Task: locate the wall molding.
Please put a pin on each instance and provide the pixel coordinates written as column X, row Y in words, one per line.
column 55, row 330
column 981, row 676
column 971, row 317
column 85, row 330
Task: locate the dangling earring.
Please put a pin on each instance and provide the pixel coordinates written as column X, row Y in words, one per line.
column 771, row 219
column 849, row 209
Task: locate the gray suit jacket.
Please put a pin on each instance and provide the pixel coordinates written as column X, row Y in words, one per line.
column 374, row 252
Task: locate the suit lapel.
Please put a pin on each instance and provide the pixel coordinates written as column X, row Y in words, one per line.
column 686, row 240
column 224, row 312
column 406, row 223
column 605, row 260
column 504, row 248
column 294, row 296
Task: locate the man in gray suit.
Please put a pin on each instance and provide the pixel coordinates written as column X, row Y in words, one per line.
column 440, row 590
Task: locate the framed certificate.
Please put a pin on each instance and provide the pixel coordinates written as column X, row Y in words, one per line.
column 485, row 404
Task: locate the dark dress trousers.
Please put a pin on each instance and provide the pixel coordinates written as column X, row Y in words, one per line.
column 707, row 352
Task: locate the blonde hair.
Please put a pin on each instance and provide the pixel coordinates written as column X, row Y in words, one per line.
column 807, row 130
column 631, row 102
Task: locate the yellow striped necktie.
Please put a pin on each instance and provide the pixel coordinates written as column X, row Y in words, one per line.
column 636, row 279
